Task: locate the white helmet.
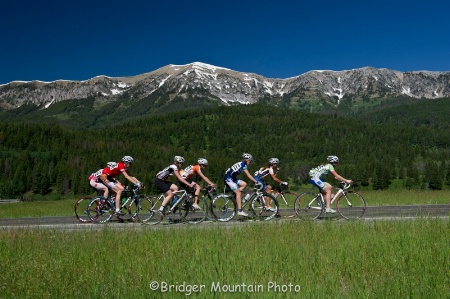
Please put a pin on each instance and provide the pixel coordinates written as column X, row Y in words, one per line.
column 274, row 161
column 128, row 159
column 178, row 159
column 247, row 156
column 333, row 159
column 202, row 161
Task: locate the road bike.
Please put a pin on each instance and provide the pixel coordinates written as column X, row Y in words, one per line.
column 102, row 210
column 179, row 210
column 81, row 208
column 285, row 200
column 349, row 204
column 224, row 206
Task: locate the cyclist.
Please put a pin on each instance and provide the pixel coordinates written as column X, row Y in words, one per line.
column 167, row 187
column 236, row 185
column 97, row 184
column 271, row 169
column 189, row 172
column 324, row 187
column 109, row 174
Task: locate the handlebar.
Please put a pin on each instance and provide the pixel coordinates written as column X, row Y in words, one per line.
column 344, row 185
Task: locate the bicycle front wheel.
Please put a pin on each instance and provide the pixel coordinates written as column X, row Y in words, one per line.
column 286, row 204
column 308, row 206
column 81, row 208
column 265, row 206
column 351, row 205
column 223, row 207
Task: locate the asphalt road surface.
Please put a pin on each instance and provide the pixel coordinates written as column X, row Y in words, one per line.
column 372, row 213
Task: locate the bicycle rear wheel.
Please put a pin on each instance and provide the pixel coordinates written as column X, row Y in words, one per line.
column 151, row 212
column 206, row 206
column 100, row 211
column 81, row 208
column 259, row 206
column 143, row 209
column 223, row 207
column 308, row 206
column 351, row 205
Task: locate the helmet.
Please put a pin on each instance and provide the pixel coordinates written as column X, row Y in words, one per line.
column 247, row 156
column 274, row 161
column 128, row 159
column 178, row 159
column 333, row 159
column 202, row 161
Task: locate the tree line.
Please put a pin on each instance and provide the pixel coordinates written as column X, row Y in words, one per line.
column 55, row 161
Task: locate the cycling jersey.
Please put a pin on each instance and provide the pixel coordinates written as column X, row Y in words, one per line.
column 166, row 172
column 114, row 169
column 320, row 170
column 235, row 170
column 190, row 171
column 265, row 171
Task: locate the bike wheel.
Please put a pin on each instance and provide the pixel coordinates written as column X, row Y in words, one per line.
column 100, row 211
column 130, row 210
column 81, row 209
column 351, row 205
column 143, row 209
column 259, row 206
column 206, row 206
column 192, row 215
column 153, row 216
column 308, row 206
column 223, row 207
column 286, row 210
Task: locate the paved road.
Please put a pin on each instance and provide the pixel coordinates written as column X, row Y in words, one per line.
column 382, row 212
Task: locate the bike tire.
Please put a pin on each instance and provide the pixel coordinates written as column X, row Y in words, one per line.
column 206, row 206
column 223, row 207
column 143, row 209
column 80, row 209
column 100, row 212
column 351, row 205
column 308, row 206
column 192, row 215
column 259, row 210
column 153, row 215
column 287, row 210
column 130, row 210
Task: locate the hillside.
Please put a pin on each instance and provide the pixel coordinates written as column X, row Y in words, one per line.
column 56, row 160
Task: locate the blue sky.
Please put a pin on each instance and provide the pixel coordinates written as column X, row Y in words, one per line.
column 77, row 40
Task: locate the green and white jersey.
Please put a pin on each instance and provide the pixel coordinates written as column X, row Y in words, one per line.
column 320, row 170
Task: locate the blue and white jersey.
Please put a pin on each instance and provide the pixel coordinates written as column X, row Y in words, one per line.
column 235, row 170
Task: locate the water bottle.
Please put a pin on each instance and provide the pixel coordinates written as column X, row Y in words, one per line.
column 332, row 196
column 124, row 200
column 246, row 198
column 175, row 199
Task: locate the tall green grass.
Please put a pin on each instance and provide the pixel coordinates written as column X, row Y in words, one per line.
column 380, row 259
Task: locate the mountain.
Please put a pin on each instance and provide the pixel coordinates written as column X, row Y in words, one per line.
column 198, row 84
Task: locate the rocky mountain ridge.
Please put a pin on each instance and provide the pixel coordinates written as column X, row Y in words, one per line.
column 231, row 87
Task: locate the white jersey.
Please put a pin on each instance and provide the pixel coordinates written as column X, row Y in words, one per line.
column 166, row 172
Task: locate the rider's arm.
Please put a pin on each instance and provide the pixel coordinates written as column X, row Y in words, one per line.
column 340, row 178
column 250, row 176
column 180, row 178
column 204, row 177
column 130, row 178
column 274, row 177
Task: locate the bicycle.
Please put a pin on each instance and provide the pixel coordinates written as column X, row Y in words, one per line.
column 132, row 205
column 224, row 206
column 180, row 209
column 349, row 204
column 206, row 200
column 288, row 197
column 81, row 209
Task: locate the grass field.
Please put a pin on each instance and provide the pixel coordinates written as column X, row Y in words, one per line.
column 379, row 259
column 373, row 198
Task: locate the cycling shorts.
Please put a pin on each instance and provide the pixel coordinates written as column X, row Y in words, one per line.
column 162, row 185
column 234, row 185
column 318, row 183
column 264, row 184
